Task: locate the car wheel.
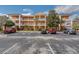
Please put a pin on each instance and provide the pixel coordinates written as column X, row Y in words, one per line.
column 47, row 32
column 75, row 33
column 53, row 33
column 68, row 33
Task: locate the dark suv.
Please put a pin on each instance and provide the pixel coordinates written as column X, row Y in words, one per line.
column 44, row 31
column 70, row 31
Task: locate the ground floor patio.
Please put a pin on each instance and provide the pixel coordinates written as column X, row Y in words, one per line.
column 31, row 28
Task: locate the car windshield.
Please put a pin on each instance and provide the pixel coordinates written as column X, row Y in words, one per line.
column 71, row 29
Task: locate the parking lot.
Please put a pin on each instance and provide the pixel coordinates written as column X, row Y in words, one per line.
column 36, row 43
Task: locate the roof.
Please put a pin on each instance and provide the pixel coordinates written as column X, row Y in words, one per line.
column 40, row 13
column 13, row 14
column 65, row 14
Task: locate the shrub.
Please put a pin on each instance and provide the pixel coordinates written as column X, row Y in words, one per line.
column 9, row 23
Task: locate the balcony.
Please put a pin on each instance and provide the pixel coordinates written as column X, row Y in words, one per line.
column 39, row 19
column 42, row 19
column 32, row 24
column 41, row 25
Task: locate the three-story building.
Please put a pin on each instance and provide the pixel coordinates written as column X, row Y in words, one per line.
column 30, row 22
column 33, row 22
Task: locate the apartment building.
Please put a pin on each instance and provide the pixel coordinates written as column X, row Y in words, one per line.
column 72, row 22
column 32, row 22
column 64, row 17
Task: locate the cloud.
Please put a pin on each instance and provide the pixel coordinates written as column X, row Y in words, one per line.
column 27, row 10
column 73, row 17
column 67, row 9
column 45, row 12
column 27, row 14
column 1, row 14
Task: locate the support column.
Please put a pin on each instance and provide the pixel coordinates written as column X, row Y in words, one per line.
column 45, row 22
column 59, row 28
column 71, row 24
column 39, row 22
column 34, row 24
column 19, row 21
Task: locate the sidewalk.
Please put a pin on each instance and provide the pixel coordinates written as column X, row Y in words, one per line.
column 30, row 31
column 2, row 34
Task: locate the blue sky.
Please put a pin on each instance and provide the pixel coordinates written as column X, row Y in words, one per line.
column 31, row 9
column 8, row 9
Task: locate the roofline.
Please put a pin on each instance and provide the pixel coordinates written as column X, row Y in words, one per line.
column 65, row 14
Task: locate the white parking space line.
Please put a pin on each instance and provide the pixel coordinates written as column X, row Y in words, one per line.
column 40, row 37
column 7, row 50
column 52, row 51
column 3, row 35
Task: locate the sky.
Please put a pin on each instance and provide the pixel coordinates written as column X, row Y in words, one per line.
column 24, row 9
column 32, row 9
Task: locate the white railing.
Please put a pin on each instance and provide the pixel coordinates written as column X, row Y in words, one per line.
column 41, row 18
column 32, row 24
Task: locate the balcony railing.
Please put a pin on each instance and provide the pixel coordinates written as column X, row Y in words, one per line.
column 32, row 24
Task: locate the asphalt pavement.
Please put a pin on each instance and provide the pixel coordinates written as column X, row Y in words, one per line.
column 37, row 43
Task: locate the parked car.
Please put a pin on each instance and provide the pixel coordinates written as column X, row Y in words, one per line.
column 70, row 31
column 13, row 30
column 44, row 32
column 52, row 31
column 9, row 30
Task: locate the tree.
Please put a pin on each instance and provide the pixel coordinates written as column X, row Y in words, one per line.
column 9, row 23
column 3, row 19
column 53, row 19
column 75, row 25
